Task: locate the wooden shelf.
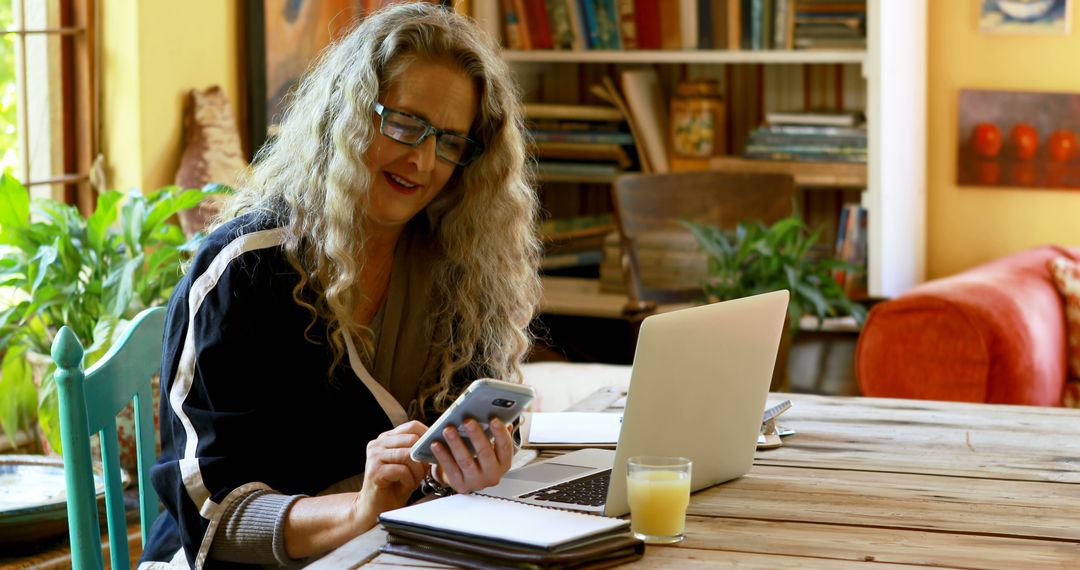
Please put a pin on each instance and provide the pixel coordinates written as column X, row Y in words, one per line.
column 576, row 179
column 686, row 56
column 807, row 174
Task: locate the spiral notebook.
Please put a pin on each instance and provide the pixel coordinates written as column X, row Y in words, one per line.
column 501, row 522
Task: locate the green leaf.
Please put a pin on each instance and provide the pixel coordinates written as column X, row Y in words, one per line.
column 103, row 340
column 120, row 288
column 49, row 411
column 14, row 205
column 17, row 392
column 45, row 259
column 97, row 225
column 172, row 201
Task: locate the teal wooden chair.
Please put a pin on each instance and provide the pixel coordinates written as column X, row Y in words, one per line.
column 89, row 403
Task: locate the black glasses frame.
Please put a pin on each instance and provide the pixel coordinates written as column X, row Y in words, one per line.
column 476, row 148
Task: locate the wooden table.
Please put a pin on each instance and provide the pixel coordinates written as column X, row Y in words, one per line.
column 875, row 483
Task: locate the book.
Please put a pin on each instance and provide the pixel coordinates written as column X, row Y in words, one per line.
column 572, row 259
column 513, row 34
column 670, row 25
column 590, row 152
column 486, row 14
column 476, row 518
column 822, row 118
column 688, row 23
column 628, row 36
column 539, row 28
column 560, row 112
column 609, row 92
column 582, row 136
column 647, row 24
column 578, row 26
column 648, row 108
column 562, row 35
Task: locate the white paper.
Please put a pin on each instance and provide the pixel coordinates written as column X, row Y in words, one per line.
column 505, row 520
column 575, row 427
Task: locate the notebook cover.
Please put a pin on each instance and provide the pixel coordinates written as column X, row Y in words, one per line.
column 606, row 554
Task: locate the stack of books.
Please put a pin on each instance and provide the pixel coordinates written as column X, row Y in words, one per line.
column 809, row 137
column 830, row 24
column 575, row 242
column 476, row 531
column 851, row 239
column 580, row 142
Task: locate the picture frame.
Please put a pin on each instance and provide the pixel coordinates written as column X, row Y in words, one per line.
column 1025, row 16
column 283, row 38
column 1018, row 139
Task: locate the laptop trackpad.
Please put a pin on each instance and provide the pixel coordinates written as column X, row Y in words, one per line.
column 543, row 472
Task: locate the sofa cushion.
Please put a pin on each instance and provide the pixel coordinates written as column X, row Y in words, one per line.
column 994, row 333
column 1066, row 275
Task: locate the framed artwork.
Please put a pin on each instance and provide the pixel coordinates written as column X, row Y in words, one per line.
column 283, row 38
column 1018, row 139
column 1025, row 16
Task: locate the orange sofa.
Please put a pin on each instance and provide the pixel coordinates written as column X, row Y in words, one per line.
column 994, row 333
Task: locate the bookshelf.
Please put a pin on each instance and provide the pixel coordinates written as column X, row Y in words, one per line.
column 887, row 80
column 686, row 56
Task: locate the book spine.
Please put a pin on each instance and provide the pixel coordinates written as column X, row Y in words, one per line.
column 628, row 34
column 583, row 137
column 578, row 26
column 719, row 12
column 647, row 21
column 539, row 28
column 486, row 14
column 523, row 24
column 562, row 37
column 592, row 27
column 607, row 19
column 512, row 25
column 688, row 23
column 705, row 24
column 670, row 25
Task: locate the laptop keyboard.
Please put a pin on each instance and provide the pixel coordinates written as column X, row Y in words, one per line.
column 590, row 491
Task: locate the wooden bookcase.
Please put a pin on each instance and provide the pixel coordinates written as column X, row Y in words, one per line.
column 887, row 80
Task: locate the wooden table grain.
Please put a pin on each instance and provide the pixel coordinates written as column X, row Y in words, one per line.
column 878, row 483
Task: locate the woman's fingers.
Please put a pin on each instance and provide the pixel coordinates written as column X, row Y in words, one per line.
column 451, row 473
column 504, row 444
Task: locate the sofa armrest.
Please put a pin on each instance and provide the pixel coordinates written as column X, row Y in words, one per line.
column 995, row 334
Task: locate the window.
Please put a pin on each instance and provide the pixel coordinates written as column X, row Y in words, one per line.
column 48, row 109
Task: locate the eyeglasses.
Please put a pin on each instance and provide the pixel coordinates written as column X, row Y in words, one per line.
column 411, row 130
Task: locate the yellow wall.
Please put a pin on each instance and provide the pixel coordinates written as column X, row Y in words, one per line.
column 967, row 226
column 152, row 54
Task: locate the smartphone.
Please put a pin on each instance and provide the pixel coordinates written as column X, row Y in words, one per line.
column 481, row 401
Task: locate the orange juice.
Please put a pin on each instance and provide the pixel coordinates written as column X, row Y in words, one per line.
column 658, row 501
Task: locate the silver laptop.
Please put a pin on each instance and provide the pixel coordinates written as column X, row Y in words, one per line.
column 698, row 388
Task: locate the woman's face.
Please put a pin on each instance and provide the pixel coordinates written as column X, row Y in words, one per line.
column 406, row 179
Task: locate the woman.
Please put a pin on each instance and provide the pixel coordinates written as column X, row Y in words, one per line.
column 380, row 256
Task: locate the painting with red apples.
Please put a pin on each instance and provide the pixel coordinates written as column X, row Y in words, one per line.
column 1018, row 139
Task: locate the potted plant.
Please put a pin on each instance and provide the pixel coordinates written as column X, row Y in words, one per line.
column 91, row 273
column 755, row 258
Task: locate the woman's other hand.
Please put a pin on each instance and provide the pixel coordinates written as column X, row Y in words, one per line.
column 390, row 475
column 466, row 473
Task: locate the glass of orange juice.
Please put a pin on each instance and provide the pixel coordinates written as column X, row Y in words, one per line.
column 658, row 489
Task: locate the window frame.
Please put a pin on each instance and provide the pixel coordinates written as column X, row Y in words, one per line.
column 79, row 91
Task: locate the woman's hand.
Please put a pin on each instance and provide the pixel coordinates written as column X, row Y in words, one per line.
column 461, row 470
column 390, row 475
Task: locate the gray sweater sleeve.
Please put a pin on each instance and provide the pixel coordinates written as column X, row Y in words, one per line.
column 252, row 530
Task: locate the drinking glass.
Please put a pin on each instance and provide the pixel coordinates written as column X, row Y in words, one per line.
column 658, row 490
